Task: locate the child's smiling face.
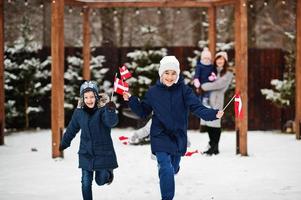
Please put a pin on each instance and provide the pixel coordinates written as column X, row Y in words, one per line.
column 89, row 99
column 169, row 77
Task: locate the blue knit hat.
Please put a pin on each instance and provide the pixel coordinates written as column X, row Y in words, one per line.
column 89, row 86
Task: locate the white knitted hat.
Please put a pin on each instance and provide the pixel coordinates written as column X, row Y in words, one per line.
column 169, row 63
column 205, row 53
column 223, row 54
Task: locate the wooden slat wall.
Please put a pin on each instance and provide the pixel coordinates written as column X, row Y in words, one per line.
column 2, row 110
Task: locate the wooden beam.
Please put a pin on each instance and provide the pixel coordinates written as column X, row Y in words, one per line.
column 57, row 75
column 298, row 71
column 150, row 4
column 86, row 45
column 212, row 29
column 2, row 94
column 241, row 63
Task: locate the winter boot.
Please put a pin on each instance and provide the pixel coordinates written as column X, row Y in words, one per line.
column 111, row 177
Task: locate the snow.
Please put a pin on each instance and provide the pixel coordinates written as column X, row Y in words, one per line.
column 271, row 171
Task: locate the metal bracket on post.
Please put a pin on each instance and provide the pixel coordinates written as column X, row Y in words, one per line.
column 237, row 141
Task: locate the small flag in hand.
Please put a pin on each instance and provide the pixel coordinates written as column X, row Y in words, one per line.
column 120, row 86
column 124, row 73
column 238, row 106
column 123, row 138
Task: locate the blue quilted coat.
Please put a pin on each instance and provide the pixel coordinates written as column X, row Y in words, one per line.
column 170, row 107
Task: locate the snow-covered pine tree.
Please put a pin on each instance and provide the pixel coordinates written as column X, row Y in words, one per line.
column 144, row 63
column 27, row 78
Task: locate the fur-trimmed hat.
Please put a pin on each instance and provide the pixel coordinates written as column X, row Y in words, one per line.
column 169, row 63
column 223, row 54
column 89, row 86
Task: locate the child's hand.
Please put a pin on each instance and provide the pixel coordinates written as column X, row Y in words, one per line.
column 196, row 83
column 219, row 114
column 126, row 96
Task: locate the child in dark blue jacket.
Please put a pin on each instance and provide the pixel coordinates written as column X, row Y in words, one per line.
column 204, row 72
column 170, row 100
column 95, row 117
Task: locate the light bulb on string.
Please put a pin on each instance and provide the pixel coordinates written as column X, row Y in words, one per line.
column 178, row 11
column 222, row 10
column 115, row 12
column 137, row 12
column 41, row 4
column 204, row 13
column 265, row 3
column 94, row 13
column 159, row 12
column 81, row 12
column 70, row 9
column 53, row 1
column 25, row 3
column 251, row 5
column 283, row 2
column 9, row 1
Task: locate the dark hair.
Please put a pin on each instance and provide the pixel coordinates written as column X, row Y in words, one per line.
column 225, row 67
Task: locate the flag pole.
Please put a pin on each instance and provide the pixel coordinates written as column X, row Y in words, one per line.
column 113, row 87
column 229, row 102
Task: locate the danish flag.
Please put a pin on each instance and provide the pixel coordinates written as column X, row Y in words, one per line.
column 238, row 106
column 120, row 86
column 124, row 73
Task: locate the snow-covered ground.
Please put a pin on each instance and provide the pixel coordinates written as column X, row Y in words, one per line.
column 271, row 171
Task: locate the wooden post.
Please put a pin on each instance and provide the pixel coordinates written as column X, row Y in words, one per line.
column 212, row 29
column 57, row 75
column 298, row 70
column 86, row 45
column 2, row 110
column 241, row 63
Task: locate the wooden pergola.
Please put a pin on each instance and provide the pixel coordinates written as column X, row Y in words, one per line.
column 57, row 53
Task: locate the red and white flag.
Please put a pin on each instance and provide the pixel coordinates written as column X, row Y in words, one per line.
column 124, row 73
column 238, row 106
column 120, row 86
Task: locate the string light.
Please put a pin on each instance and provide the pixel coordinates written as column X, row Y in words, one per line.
column 9, row 1
column 42, row 5
column 25, row 3
column 265, row 3
column 137, row 12
column 251, row 5
column 283, row 2
column 178, row 11
column 222, row 9
column 203, row 13
column 81, row 12
column 94, row 13
column 244, row 4
column 70, row 9
column 53, row 1
column 159, row 12
column 115, row 12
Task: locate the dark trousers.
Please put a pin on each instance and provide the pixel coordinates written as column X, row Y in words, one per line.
column 101, row 178
column 214, row 136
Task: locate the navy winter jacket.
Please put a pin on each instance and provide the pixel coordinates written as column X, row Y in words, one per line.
column 170, row 106
column 96, row 149
column 202, row 72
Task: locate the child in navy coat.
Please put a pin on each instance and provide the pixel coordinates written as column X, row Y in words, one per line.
column 204, row 72
column 170, row 100
column 95, row 117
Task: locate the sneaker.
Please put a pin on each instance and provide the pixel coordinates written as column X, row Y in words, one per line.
column 111, row 177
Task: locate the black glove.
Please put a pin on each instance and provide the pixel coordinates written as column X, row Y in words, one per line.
column 61, row 147
column 111, row 105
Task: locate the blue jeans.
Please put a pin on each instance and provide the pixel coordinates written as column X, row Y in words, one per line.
column 168, row 166
column 101, row 178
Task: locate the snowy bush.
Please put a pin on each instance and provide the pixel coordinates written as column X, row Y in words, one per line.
column 282, row 93
column 27, row 79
